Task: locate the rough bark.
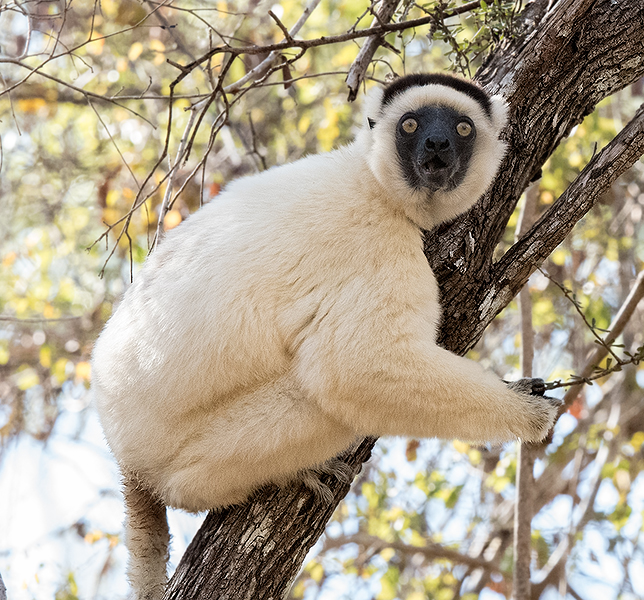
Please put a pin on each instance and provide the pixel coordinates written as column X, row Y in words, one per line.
column 570, row 56
column 255, row 550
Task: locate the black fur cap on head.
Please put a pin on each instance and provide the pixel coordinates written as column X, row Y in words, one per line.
column 469, row 88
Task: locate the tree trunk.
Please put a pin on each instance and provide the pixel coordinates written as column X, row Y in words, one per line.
column 564, row 60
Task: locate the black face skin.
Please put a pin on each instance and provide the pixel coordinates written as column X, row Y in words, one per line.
column 436, row 154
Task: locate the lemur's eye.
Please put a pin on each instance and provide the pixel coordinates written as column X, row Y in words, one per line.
column 463, row 129
column 410, row 125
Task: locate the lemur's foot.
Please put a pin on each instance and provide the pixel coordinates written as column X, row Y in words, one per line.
column 543, row 410
column 310, row 478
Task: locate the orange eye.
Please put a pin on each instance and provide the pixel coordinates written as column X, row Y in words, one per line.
column 410, row 125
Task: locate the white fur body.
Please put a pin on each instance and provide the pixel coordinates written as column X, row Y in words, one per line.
column 289, row 316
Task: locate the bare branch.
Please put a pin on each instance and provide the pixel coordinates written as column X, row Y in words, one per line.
column 173, row 168
column 321, row 41
column 265, row 65
column 287, row 36
column 361, row 63
column 523, row 508
column 615, row 329
column 37, row 319
column 618, row 156
column 558, row 558
column 109, row 134
column 37, row 71
column 431, row 551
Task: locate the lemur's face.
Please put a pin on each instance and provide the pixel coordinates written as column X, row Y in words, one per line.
column 433, row 143
column 434, row 146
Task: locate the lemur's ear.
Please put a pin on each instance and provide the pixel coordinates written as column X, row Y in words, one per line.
column 373, row 105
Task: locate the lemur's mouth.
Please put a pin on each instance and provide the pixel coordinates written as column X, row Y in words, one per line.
column 435, row 172
column 435, row 163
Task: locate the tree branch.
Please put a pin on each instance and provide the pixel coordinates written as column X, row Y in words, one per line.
column 263, row 67
column 361, row 63
column 615, row 329
column 244, row 535
column 552, row 77
column 430, row 551
column 523, row 506
column 551, row 229
column 380, row 30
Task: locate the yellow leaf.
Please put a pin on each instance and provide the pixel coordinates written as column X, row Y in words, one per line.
column 500, row 484
column 547, row 197
column 303, row 125
column 387, row 590
column 4, row 356
column 559, row 257
column 93, row 536
column 135, row 51
column 9, row 259
column 317, row 572
column 612, row 250
column 172, row 219
column 157, row 45
column 96, row 47
column 387, row 554
column 45, row 356
column 637, row 441
column 27, row 379
column 416, row 539
column 460, row 447
column 84, row 370
column 328, row 130
column 31, row 105
column 59, row 370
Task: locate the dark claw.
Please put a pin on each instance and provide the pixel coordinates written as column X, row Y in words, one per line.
column 538, row 387
column 533, row 386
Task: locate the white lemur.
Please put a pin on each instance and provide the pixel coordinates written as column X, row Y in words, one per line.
column 296, row 312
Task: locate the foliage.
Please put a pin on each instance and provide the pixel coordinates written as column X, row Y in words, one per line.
column 98, row 160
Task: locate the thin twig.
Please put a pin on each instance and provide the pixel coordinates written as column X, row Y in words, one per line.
column 570, row 295
column 37, row 319
column 431, row 550
column 321, row 41
column 615, row 329
column 109, row 134
column 262, row 67
column 287, row 36
column 173, row 168
column 524, row 505
column 361, row 63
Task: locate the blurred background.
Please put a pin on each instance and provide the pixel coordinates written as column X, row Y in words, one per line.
column 93, row 165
